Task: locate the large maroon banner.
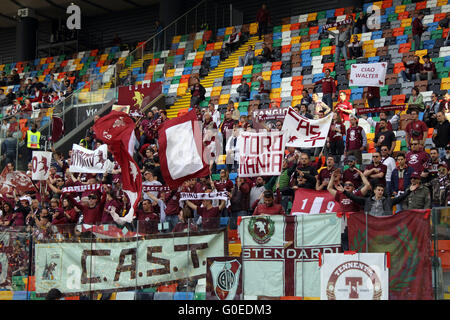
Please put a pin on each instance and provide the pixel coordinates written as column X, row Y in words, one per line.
column 139, row 96
column 407, row 237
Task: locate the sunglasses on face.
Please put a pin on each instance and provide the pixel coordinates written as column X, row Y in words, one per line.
column 348, row 185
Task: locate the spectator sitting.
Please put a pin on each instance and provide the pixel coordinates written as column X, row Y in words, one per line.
column 416, row 99
column 413, row 69
column 247, row 59
column 265, row 56
column 429, row 69
column 243, row 90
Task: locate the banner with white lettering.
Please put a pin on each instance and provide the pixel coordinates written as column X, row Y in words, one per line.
column 124, row 264
column 280, row 254
column 82, row 188
column 308, row 201
column 155, row 188
column 41, row 165
column 220, row 195
column 260, row 154
column 270, row 114
column 90, row 161
column 368, row 74
column 354, row 276
column 302, row 132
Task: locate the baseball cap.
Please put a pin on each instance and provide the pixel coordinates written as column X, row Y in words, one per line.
column 415, row 175
column 351, row 158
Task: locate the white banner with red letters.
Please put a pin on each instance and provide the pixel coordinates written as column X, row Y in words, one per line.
column 280, row 254
column 219, row 195
column 308, row 201
column 90, row 161
column 368, row 74
column 41, row 165
column 260, row 154
column 302, row 132
column 354, row 276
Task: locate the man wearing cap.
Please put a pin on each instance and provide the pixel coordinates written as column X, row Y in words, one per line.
column 440, row 186
column 431, row 166
column 419, row 198
column 269, row 207
column 351, row 173
column 92, row 213
column 356, row 140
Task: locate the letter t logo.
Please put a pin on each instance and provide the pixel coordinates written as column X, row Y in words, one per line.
column 353, row 282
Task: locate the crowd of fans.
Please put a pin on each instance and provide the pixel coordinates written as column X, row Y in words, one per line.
column 412, row 179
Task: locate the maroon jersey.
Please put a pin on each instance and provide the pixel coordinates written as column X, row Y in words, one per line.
column 418, row 127
column 417, row 160
column 380, row 168
column 325, row 174
column 328, row 85
column 172, row 204
column 344, row 106
column 210, row 217
column 347, row 204
column 352, row 176
column 354, row 140
column 262, row 209
column 224, row 185
column 334, row 135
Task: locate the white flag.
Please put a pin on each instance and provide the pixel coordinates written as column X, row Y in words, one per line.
column 260, row 154
column 302, row 132
column 90, row 161
column 368, row 74
column 41, row 165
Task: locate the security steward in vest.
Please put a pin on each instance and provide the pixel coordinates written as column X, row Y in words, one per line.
column 33, row 138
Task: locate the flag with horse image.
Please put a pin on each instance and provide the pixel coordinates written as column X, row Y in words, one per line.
column 407, row 237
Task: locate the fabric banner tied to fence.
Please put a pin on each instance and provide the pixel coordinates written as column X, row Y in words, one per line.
column 280, row 254
column 124, row 264
column 407, row 237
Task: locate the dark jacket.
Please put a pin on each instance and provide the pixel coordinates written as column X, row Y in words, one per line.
column 369, row 201
column 443, row 134
column 406, row 178
column 243, row 90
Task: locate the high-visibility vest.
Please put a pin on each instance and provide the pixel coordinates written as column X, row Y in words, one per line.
column 33, row 139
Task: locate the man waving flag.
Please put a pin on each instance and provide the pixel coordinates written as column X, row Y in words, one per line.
column 181, row 150
column 116, row 129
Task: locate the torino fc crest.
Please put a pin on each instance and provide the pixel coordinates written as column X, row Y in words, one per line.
column 261, row 229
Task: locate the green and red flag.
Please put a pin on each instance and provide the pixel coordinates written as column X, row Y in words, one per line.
column 406, row 236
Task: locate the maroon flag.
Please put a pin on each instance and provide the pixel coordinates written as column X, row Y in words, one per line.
column 407, row 237
column 16, row 180
column 137, row 97
column 57, row 128
column 181, row 150
column 116, row 129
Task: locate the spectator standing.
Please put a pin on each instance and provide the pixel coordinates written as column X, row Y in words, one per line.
column 355, row 48
column 417, row 158
column 342, row 37
column 385, row 137
column 416, row 129
column 328, row 88
column 263, row 19
column 356, row 140
column 344, row 107
column 325, row 174
column 243, row 90
column 319, row 106
column 390, row 164
column 335, row 139
column 376, row 172
column 417, row 30
column 352, row 173
column 269, row 207
column 419, row 198
column 441, row 134
column 401, row 178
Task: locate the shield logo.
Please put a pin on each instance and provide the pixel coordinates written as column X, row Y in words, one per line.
column 261, row 229
column 225, row 277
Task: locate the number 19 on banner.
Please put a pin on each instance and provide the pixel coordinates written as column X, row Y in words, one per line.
column 313, row 202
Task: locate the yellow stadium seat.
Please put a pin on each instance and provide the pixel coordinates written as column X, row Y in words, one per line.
column 445, row 84
column 326, row 50
column 312, row 16
column 400, row 9
column 176, row 39
column 406, row 22
column 253, row 29
column 305, row 45
column 266, row 75
column 247, row 70
column 170, row 73
column 285, row 27
column 295, row 40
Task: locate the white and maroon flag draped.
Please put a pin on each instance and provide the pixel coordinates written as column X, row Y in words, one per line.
column 302, row 132
column 368, row 74
column 116, row 129
column 280, row 254
column 90, row 161
column 15, row 180
column 41, row 165
column 181, row 150
column 261, row 153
